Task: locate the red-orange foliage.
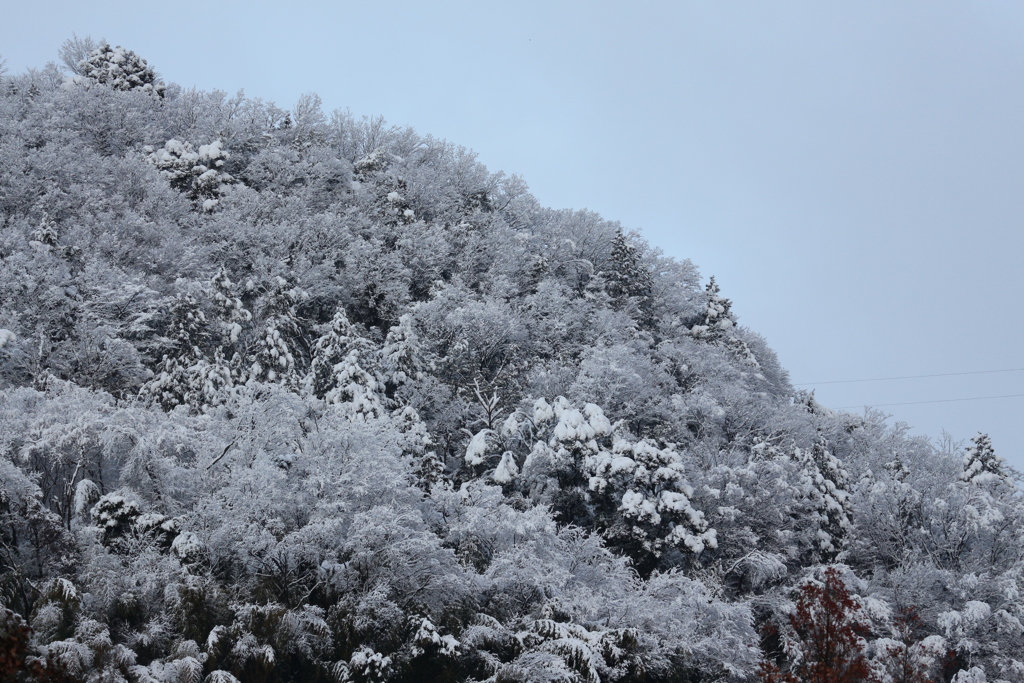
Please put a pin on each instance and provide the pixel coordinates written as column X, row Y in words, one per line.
column 15, row 664
column 14, row 635
column 828, row 637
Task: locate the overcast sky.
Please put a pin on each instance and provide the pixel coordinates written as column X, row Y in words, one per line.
column 852, row 173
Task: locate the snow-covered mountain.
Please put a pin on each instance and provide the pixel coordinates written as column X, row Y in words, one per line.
column 289, row 396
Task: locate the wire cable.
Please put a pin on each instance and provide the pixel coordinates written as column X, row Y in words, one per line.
column 941, row 400
column 886, row 379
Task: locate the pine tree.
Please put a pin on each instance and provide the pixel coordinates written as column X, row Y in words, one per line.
column 826, row 483
column 811, row 404
column 717, row 325
column 627, row 279
column 401, row 357
column 355, row 388
column 329, row 349
column 981, row 464
column 120, row 69
column 233, row 318
column 898, row 469
column 428, row 467
column 199, row 175
column 275, row 360
column 643, row 500
column 115, row 516
column 185, row 362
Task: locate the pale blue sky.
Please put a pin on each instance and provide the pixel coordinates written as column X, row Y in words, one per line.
column 852, row 173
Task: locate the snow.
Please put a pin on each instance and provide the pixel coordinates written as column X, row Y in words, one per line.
column 636, row 505
column 572, row 426
column 597, row 419
column 973, row 675
column 477, row 448
column 213, row 151
column 427, row 634
column 506, row 471
column 372, row 664
column 670, row 500
column 621, row 464
column 510, row 426
column 976, row 611
column 352, row 468
column 542, row 411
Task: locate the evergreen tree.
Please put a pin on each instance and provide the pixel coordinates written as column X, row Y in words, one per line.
column 643, row 500
column 718, row 325
column 231, row 310
column 898, row 469
column 401, row 358
column 981, row 464
column 115, row 515
column 313, row 530
column 428, row 468
column 276, row 344
column 120, row 69
column 332, row 348
column 826, row 482
column 627, row 279
column 199, row 175
column 635, row 493
column 186, row 375
column 355, row 388
column 234, row 318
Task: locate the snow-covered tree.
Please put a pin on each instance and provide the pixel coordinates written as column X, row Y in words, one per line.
column 634, row 492
column 198, row 174
column 230, row 309
column 342, row 471
column 401, row 357
column 274, row 359
column 355, row 389
column 981, row 464
column 120, row 69
column 908, row 656
column 717, row 325
column 826, row 484
column 186, row 376
column 627, row 279
column 330, row 349
column 646, row 492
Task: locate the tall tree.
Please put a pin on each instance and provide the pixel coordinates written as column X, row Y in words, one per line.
column 187, row 376
column 827, row 632
column 628, row 281
column 717, row 325
column 331, row 348
column 826, row 484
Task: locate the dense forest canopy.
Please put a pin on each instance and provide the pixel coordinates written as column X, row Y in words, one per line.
column 295, row 396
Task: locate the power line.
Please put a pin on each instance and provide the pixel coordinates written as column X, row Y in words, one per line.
column 942, row 400
column 885, row 379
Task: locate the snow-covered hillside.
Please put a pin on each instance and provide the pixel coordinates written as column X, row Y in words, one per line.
column 290, row 396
